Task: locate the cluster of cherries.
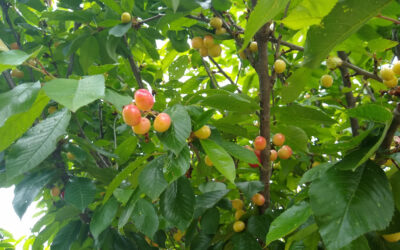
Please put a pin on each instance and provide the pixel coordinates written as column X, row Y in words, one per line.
column 260, row 143
column 141, row 125
column 237, row 204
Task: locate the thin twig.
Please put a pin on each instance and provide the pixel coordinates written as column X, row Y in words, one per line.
column 212, row 80
column 135, row 69
column 150, row 19
column 388, row 19
column 101, row 120
column 381, row 155
column 223, row 72
column 6, row 74
column 72, row 56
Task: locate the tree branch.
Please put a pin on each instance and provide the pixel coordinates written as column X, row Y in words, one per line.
column 135, row 69
column 351, row 102
column 266, row 83
column 72, row 57
column 387, row 141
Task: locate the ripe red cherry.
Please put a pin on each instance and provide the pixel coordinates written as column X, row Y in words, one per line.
column 278, row 139
column 285, row 152
column 143, row 99
column 256, row 165
column 131, row 115
column 260, row 143
column 162, row 122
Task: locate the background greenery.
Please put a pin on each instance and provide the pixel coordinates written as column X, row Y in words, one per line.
column 123, row 191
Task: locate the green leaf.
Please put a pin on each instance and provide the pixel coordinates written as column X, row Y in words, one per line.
column 126, row 149
column 66, row 236
column 366, row 149
column 18, row 124
column 89, row 52
column 118, row 100
column 395, row 182
column 122, row 176
column 145, row 218
column 210, row 221
column 340, row 198
column 178, row 40
column 80, row 192
column 301, row 234
column 175, row 4
column 37, row 144
column 113, row 5
column 288, row 221
column 177, row 203
column 208, row 200
column 120, row 29
column 344, row 20
column 380, row 44
column 10, row 59
column 26, row 191
column 221, row 159
column 225, row 100
column 295, row 137
column 296, row 84
column 258, row 225
column 305, row 115
column 239, row 152
column 307, row 13
column 245, row 241
column 264, row 11
column 315, row 172
column 127, row 5
column 151, row 179
column 76, row 93
column 221, row 5
column 176, row 166
column 122, row 195
column 44, row 235
column 211, row 186
column 359, row 243
column 17, row 100
column 175, row 137
column 177, row 68
column 103, row 216
column 372, row 112
column 250, row 188
column 127, row 212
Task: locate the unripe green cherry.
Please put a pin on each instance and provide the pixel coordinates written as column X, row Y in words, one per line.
column 125, row 17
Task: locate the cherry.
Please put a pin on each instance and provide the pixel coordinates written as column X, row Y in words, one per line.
column 279, row 66
column 17, row 73
column 162, row 122
column 143, row 127
column 143, row 99
column 326, row 81
column 220, row 31
column 258, row 199
column 273, row 155
column 237, row 204
column 239, row 213
column 70, row 156
column 208, row 161
column 215, row 50
column 396, row 68
column 197, row 42
column 203, row 133
column 387, row 74
column 131, row 115
column 14, row 46
column 391, row 83
column 208, row 41
column 55, row 191
column 125, row 17
column 253, row 47
column 203, row 51
column 285, row 152
column 216, row 22
column 278, row 139
column 238, row 226
column 260, row 143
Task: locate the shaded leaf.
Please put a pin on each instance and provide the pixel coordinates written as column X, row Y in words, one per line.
column 80, row 192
